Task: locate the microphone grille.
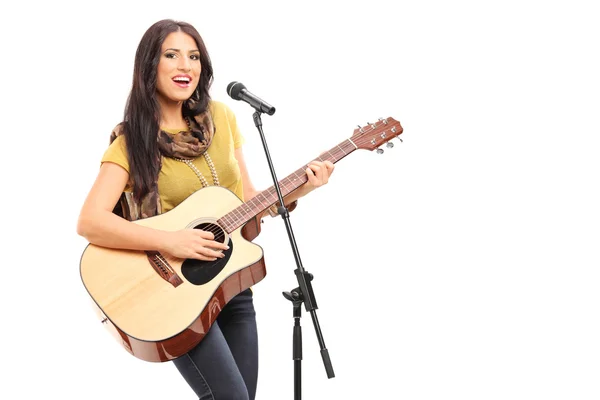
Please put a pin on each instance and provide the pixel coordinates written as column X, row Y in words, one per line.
column 234, row 89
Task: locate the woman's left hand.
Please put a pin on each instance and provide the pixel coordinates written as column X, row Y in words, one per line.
column 318, row 173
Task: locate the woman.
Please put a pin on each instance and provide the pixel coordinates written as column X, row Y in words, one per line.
column 173, row 141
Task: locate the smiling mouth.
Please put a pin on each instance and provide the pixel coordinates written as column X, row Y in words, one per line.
column 182, row 81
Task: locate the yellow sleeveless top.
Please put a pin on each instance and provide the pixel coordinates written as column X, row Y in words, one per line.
column 176, row 180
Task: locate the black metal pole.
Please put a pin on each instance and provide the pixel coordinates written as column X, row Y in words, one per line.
column 304, row 292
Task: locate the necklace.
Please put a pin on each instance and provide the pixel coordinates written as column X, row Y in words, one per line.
column 211, row 166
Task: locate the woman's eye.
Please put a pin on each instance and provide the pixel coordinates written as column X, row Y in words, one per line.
column 195, row 57
column 170, row 55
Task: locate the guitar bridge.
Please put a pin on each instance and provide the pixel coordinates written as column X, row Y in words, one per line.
column 162, row 268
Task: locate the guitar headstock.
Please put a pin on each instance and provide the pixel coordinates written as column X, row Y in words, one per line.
column 373, row 135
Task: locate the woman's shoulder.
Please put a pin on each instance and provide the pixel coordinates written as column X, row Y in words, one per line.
column 117, row 139
column 117, row 148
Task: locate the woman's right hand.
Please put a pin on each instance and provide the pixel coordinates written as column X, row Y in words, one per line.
column 193, row 243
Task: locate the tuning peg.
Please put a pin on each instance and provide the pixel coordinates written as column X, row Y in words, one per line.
column 401, row 141
column 379, row 151
column 389, row 145
column 385, row 121
column 360, row 129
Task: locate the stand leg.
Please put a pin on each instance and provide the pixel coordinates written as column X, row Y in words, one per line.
column 296, row 298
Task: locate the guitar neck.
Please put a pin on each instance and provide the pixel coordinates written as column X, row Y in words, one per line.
column 265, row 199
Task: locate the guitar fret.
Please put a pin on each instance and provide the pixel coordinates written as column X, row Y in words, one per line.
column 238, row 216
column 260, row 194
column 252, row 204
column 248, row 210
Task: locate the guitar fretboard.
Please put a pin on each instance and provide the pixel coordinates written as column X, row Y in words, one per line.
column 265, row 199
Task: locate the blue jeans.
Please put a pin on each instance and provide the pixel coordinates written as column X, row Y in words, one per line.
column 224, row 365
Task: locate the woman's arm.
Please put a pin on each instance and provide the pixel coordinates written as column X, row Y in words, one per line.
column 100, row 226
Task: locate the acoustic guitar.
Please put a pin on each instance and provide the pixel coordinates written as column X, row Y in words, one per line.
column 159, row 307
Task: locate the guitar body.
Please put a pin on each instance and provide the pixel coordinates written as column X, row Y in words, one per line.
column 160, row 307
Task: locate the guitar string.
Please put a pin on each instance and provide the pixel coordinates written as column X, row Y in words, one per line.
column 216, row 230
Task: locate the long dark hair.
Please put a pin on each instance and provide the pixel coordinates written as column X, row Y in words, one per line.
column 142, row 111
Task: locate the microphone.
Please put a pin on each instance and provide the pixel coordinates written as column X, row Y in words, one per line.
column 238, row 91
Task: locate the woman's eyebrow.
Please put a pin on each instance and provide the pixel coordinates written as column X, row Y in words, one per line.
column 179, row 51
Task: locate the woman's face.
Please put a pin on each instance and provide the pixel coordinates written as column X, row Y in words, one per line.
column 179, row 67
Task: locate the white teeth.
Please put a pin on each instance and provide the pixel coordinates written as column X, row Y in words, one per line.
column 181, row 79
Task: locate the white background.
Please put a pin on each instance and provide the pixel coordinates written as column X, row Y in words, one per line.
column 461, row 264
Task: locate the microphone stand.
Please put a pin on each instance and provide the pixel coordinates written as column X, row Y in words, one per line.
column 304, row 292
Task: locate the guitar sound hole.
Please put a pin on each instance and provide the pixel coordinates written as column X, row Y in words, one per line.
column 199, row 272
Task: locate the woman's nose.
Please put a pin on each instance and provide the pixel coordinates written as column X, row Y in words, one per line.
column 184, row 64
